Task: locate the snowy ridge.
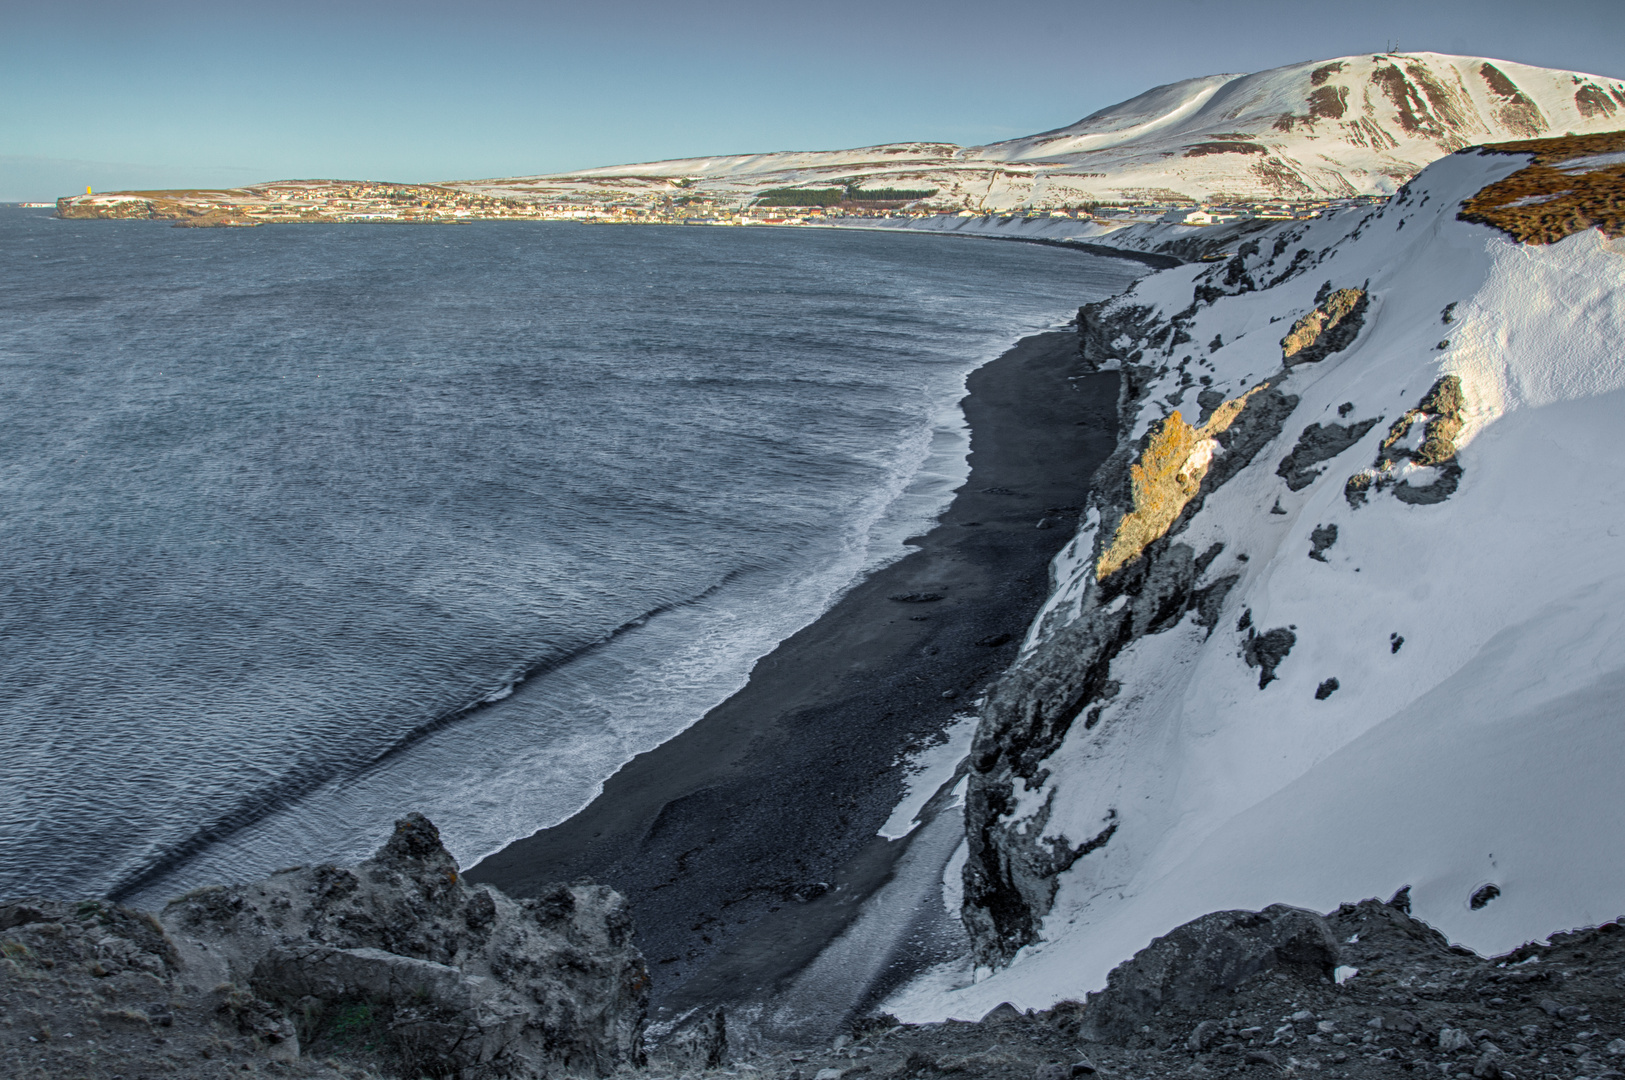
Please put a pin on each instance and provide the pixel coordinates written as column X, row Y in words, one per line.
column 1445, row 714
column 1354, row 125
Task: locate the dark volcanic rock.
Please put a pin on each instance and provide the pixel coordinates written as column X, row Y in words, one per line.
column 1440, row 413
column 450, row 976
column 1266, row 651
column 1198, row 966
column 1318, row 443
column 1250, row 996
column 396, row 965
column 1321, row 541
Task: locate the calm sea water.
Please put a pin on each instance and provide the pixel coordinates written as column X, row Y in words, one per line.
column 307, row 527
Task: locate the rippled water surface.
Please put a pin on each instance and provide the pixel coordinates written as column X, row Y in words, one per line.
column 304, row 527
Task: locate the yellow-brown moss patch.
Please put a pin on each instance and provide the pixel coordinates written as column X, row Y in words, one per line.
column 1542, row 204
column 1166, row 478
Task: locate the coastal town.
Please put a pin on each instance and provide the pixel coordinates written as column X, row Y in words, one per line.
column 309, row 201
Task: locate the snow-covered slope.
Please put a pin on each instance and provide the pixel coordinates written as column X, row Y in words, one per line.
column 1352, row 621
column 1355, row 125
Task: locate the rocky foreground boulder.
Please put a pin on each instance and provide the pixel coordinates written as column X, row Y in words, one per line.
column 394, row 967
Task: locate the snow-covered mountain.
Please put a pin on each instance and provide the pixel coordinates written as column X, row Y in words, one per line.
column 1346, row 615
column 1355, row 125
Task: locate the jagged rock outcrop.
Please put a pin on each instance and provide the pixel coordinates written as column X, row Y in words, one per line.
column 1105, row 326
column 1197, row 968
column 1147, row 581
column 395, row 964
column 1266, row 650
column 1331, row 327
column 1167, row 476
column 1440, row 414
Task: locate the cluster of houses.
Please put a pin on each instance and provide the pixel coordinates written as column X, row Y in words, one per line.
column 1128, row 213
column 369, row 201
column 336, row 201
column 1278, row 210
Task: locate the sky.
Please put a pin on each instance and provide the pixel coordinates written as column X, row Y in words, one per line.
column 208, row 93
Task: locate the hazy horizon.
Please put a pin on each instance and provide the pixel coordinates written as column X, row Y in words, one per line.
column 181, row 94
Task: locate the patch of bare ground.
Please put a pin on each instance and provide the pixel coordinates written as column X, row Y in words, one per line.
column 1202, row 149
column 1330, row 102
column 1592, row 100
column 1321, row 74
column 1280, row 178
column 1559, row 193
column 1516, row 111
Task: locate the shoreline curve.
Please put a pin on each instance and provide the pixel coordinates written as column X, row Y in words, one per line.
column 748, row 842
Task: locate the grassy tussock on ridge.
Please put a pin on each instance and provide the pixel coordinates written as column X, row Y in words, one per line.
column 1542, row 203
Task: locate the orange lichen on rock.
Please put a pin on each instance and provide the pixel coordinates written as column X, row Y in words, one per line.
column 1440, row 410
column 1559, row 193
column 1166, row 478
column 1299, row 344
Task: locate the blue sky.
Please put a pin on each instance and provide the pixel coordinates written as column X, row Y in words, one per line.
column 185, row 93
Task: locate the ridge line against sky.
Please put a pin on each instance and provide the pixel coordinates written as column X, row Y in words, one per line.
column 185, row 93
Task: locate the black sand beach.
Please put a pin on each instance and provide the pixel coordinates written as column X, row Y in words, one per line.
column 747, row 843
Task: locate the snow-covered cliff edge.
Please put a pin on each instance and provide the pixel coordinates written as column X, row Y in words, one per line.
column 1347, row 613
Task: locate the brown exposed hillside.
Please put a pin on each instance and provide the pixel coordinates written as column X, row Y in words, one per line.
column 1559, row 194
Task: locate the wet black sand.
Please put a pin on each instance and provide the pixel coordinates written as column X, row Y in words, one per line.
column 747, row 842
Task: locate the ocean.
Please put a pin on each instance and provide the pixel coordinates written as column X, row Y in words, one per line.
column 306, row 527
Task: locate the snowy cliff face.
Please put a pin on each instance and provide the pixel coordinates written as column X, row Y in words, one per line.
column 1355, row 125
column 1347, row 613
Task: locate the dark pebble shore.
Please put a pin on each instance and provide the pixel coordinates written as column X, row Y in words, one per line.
column 747, row 842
